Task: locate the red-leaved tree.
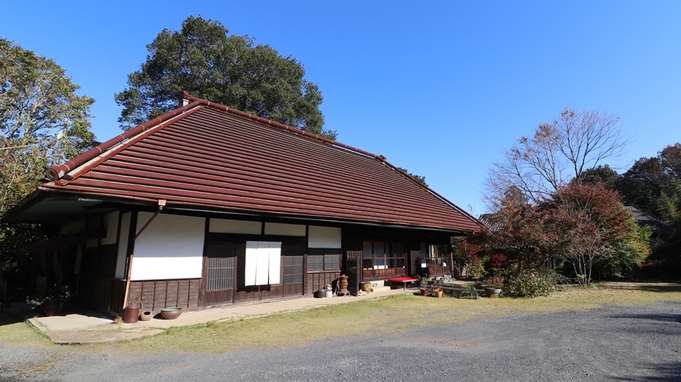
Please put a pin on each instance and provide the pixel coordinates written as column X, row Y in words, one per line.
column 587, row 222
column 517, row 231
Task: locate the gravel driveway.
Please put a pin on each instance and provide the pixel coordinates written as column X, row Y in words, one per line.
column 641, row 343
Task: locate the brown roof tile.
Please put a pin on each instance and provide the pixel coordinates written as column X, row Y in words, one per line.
column 209, row 155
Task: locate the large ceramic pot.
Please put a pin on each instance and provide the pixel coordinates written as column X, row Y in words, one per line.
column 131, row 314
column 171, row 313
column 51, row 308
column 493, row 292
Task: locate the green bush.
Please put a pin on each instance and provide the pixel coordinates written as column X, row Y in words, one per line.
column 526, row 283
column 478, row 270
column 553, row 278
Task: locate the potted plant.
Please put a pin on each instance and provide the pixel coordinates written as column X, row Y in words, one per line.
column 438, row 292
column 50, row 300
column 493, row 285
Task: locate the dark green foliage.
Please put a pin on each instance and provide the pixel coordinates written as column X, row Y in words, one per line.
column 419, row 178
column 231, row 70
column 627, row 254
column 600, row 174
column 653, row 185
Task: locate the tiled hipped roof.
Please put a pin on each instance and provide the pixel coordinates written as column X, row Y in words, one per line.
column 212, row 156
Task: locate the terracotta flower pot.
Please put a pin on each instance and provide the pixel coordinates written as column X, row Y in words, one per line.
column 424, row 291
column 438, row 292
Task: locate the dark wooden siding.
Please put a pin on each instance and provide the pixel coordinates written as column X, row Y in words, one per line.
column 109, row 295
column 318, row 280
column 158, row 294
column 381, row 274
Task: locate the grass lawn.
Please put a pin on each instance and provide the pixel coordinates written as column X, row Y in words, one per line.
column 362, row 318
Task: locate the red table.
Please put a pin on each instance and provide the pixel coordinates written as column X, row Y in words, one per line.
column 404, row 280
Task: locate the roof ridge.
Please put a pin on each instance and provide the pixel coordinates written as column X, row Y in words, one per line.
column 280, row 125
column 332, row 142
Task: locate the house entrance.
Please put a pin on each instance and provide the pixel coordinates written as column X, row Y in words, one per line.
column 219, row 271
column 225, row 274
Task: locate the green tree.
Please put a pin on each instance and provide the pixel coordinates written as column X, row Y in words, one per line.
column 627, row 254
column 653, row 185
column 419, row 178
column 42, row 122
column 600, row 174
column 203, row 60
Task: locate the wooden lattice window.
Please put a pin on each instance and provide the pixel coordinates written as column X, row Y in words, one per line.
column 219, row 273
column 332, row 262
column 319, row 263
column 293, row 269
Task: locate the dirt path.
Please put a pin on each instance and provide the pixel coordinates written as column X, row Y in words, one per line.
column 641, row 343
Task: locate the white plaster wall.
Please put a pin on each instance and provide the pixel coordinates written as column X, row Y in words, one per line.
column 171, row 247
column 235, row 226
column 324, row 237
column 122, row 245
column 284, row 229
column 111, row 225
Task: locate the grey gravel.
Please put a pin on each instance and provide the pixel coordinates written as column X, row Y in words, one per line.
column 639, row 343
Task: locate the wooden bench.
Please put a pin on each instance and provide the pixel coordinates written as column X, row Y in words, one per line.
column 459, row 291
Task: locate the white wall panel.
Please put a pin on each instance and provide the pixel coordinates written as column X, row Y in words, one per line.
column 324, row 237
column 171, row 247
column 235, row 226
column 284, row 229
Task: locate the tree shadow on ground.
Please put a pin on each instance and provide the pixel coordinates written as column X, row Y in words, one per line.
column 663, row 372
column 9, row 318
column 660, row 287
column 673, row 318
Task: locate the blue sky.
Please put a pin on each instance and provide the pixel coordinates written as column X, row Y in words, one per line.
column 438, row 87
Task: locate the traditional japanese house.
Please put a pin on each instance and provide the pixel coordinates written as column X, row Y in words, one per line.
column 208, row 205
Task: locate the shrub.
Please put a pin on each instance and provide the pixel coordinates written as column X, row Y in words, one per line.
column 478, row 270
column 495, row 281
column 552, row 278
column 526, row 283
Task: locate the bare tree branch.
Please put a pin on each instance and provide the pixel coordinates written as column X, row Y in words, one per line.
column 557, row 153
